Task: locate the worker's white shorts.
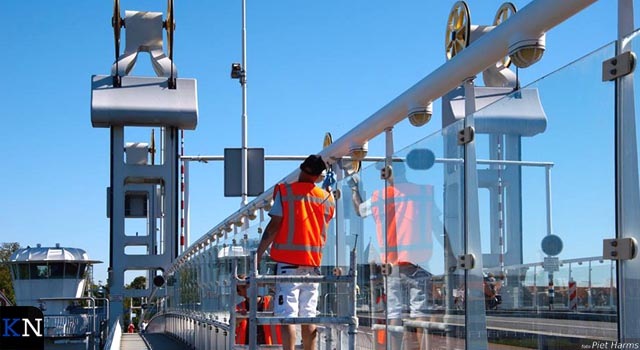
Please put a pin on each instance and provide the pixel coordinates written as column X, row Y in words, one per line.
column 296, row 299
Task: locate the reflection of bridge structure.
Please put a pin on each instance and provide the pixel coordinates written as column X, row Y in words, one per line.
column 490, row 169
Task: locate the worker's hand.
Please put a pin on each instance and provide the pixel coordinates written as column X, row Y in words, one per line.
column 329, row 181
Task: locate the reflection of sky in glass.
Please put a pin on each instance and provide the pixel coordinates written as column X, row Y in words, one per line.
column 578, row 140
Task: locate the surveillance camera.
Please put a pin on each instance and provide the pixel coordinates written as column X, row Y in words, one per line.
column 359, row 151
column 236, row 71
column 420, row 116
column 527, row 51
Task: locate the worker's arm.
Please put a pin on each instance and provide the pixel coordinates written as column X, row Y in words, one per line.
column 269, row 235
column 360, row 206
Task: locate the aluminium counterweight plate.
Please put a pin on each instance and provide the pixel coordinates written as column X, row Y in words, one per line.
column 143, row 101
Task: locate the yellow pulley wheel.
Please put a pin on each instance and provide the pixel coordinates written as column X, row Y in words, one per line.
column 170, row 26
column 328, row 139
column 505, row 11
column 458, row 29
column 117, row 24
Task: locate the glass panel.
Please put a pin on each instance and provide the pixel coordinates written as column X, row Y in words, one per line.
column 629, row 198
column 23, row 273
column 56, row 270
column 429, row 237
column 410, row 291
column 359, row 222
column 546, row 182
column 71, row 270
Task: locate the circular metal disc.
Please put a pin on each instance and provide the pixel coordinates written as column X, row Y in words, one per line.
column 116, row 23
column 328, row 139
column 505, row 11
column 170, row 27
column 458, row 29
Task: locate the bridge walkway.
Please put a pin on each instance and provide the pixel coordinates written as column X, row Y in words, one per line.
column 150, row 341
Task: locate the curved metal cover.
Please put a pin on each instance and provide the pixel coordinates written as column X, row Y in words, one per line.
column 50, row 254
column 143, row 101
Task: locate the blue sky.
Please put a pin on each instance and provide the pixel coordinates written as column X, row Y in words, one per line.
column 313, row 67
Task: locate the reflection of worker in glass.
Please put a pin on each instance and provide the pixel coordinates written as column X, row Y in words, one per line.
column 297, row 234
column 409, row 214
column 266, row 334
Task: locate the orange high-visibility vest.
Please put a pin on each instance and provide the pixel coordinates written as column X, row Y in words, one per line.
column 306, row 211
column 272, row 334
column 407, row 213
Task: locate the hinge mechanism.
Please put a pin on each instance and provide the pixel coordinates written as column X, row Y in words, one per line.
column 619, row 66
column 466, row 135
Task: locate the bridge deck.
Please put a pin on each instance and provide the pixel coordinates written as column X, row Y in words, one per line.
column 154, row 341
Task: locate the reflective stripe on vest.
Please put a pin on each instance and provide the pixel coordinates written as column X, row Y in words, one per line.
column 408, row 214
column 307, row 210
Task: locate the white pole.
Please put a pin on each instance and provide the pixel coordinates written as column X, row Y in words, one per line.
column 243, row 83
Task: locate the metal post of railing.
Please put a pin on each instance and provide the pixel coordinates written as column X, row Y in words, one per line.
column 548, row 195
column 233, row 316
column 611, row 291
column 353, row 326
column 589, row 297
column 535, row 288
column 253, row 300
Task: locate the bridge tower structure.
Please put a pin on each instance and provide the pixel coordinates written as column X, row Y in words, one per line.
column 141, row 187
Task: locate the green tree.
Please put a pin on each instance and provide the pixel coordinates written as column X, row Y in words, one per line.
column 139, row 282
column 6, row 249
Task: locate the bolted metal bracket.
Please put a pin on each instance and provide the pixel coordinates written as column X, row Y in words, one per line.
column 386, row 172
column 466, row 261
column 386, row 269
column 466, row 135
column 619, row 248
column 619, row 66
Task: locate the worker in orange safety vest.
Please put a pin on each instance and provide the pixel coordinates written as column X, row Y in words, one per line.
column 297, row 234
column 266, row 334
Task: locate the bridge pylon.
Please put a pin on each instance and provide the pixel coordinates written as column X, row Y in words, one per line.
column 141, row 187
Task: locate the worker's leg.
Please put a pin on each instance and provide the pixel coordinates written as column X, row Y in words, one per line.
column 309, row 308
column 309, row 336
column 286, row 305
column 288, row 337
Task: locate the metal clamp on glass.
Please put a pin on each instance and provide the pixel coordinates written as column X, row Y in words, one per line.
column 619, row 248
column 466, row 261
column 619, row 66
